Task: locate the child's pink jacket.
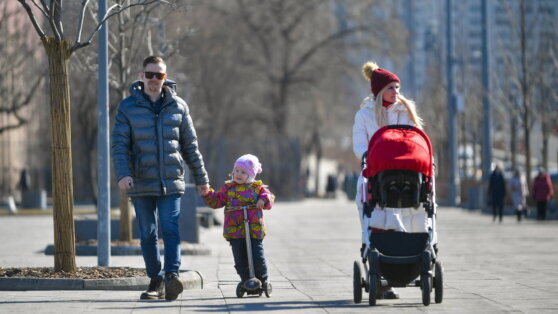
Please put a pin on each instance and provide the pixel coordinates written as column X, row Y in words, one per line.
column 233, row 195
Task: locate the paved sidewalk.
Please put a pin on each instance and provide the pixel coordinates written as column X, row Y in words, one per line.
column 311, row 245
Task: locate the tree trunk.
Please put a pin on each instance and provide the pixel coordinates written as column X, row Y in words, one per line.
column 280, row 108
column 125, row 217
column 475, row 154
column 545, row 138
column 525, row 94
column 527, row 142
column 62, row 188
column 513, row 141
column 319, row 155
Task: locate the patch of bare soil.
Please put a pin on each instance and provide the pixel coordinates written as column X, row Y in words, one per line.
column 81, row 273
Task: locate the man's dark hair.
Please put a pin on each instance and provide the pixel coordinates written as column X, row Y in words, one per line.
column 153, row 59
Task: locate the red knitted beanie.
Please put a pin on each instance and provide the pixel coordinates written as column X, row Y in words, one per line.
column 379, row 78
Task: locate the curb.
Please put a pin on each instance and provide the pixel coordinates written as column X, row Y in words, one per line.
column 191, row 279
column 91, row 250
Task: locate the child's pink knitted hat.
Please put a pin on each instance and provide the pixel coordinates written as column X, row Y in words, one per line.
column 250, row 164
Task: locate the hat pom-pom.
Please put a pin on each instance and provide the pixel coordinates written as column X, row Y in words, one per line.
column 368, row 68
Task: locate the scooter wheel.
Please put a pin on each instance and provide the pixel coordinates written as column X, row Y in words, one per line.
column 268, row 289
column 240, row 290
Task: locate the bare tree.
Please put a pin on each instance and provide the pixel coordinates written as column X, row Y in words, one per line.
column 528, row 24
column 268, row 66
column 19, row 83
column 59, row 49
column 546, row 79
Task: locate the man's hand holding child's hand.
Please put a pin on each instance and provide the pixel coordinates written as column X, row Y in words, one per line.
column 203, row 190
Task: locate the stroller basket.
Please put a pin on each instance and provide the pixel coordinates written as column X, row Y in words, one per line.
column 401, row 244
column 400, row 255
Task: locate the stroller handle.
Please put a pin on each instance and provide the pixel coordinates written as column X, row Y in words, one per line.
column 363, row 160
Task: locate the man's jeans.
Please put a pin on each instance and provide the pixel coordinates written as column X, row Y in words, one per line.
column 169, row 212
column 241, row 259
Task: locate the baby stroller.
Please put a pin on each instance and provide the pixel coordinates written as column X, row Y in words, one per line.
column 399, row 173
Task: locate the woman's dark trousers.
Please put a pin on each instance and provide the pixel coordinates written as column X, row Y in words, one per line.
column 541, row 210
column 497, row 210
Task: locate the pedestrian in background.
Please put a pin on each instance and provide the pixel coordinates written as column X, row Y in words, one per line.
column 497, row 192
column 152, row 140
column 518, row 192
column 331, row 186
column 24, row 181
column 542, row 192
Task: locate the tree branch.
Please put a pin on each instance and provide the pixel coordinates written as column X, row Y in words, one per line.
column 299, row 16
column 108, row 15
column 40, row 9
column 33, row 19
column 324, row 42
column 255, row 29
column 80, row 24
column 18, row 104
column 51, row 20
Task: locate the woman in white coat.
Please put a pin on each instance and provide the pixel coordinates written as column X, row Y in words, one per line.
column 384, row 106
column 518, row 191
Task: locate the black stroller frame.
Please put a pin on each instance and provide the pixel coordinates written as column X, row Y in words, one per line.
column 393, row 258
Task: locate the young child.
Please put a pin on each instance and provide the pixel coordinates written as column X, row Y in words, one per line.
column 243, row 190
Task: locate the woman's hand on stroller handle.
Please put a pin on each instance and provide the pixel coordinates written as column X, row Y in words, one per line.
column 363, row 160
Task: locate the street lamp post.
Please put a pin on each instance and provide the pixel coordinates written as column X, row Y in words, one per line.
column 453, row 187
column 487, row 122
column 103, row 177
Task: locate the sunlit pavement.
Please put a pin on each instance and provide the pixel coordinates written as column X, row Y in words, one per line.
column 488, row 267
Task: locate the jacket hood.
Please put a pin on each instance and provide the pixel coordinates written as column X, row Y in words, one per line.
column 368, row 102
column 137, row 87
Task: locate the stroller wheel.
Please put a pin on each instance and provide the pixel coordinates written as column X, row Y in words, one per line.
column 357, row 282
column 438, row 282
column 240, row 290
column 425, row 285
column 374, row 282
column 268, row 289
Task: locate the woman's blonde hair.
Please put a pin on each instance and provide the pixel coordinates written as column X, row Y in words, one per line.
column 408, row 103
column 367, row 70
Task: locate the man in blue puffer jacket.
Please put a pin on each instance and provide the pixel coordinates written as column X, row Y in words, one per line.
column 152, row 140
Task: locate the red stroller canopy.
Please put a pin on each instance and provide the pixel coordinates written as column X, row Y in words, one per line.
column 398, row 147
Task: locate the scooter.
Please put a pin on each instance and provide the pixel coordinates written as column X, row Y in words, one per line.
column 252, row 286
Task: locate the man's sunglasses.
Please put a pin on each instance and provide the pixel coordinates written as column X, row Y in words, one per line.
column 159, row 76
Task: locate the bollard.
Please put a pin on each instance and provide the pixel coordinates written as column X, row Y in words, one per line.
column 11, row 205
column 189, row 231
